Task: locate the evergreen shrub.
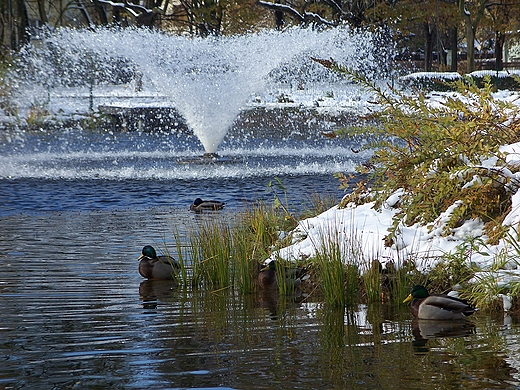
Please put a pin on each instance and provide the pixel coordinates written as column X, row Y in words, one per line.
column 444, row 157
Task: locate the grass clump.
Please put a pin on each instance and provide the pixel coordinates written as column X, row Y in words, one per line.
column 332, row 274
column 213, row 246
column 227, row 253
column 454, row 268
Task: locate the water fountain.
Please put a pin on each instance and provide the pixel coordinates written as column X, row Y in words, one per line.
column 208, row 81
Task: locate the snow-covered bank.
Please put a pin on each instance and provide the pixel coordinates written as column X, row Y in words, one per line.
column 361, row 230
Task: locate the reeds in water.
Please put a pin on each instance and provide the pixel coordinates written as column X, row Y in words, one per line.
column 372, row 281
column 338, row 279
column 183, row 274
column 227, row 253
column 212, row 250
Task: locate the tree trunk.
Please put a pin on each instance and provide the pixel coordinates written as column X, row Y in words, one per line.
column 453, row 46
column 103, row 18
column 279, row 18
column 471, row 22
column 83, row 10
column 20, row 24
column 470, row 42
column 499, row 50
column 41, row 12
column 428, row 48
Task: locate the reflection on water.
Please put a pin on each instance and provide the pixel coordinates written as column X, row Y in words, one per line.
column 423, row 330
column 76, row 314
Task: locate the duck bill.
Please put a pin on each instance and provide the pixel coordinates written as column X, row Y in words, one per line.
column 408, row 298
column 140, row 257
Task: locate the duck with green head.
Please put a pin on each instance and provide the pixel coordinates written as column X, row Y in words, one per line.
column 152, row 266
column 200, row 205
column 427, row 306
column 268, row 277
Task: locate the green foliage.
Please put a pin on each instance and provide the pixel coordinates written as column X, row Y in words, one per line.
column 372, row 282
column 281, row 203
column 260, row 225
column 510, row 82
column 318, row 203
column 454, row 268
column 442, row 82
column 227, row 253
column 182, row 255
column 435, row 153
column 215, row 247
column 433, row 82
column 338, row 281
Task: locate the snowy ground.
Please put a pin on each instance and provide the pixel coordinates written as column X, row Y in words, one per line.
column 64, row 103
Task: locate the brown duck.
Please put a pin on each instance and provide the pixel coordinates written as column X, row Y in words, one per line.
column 152, row 266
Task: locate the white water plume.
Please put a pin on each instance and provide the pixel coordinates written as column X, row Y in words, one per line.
column 208, row 80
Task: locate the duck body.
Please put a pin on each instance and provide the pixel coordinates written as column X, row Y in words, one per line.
column 200, row 205
column 152, row 266
column 268, row 278
column 437, row 306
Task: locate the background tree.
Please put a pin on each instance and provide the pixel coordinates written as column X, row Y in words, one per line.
column 422, row 26
column 502, row 21
column 13, row 24
column 356, row 13
column 471, row 12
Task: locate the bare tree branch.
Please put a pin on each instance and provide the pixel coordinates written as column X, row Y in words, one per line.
column 302, row 18
column 142, row 15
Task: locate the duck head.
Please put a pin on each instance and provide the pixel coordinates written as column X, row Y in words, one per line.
column 418, row 292
column 148, row 251
column 271, row 266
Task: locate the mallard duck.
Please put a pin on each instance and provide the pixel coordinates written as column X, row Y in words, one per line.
column 437, row 306
column 268, row 279
column 152, row 266
column 200, row 205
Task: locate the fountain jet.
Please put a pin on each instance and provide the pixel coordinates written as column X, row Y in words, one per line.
column 208, row 80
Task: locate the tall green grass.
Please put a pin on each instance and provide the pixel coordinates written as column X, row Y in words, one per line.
column 182, row 255
column 227, row 251
column 338, row 278
column 214, row 249
column 372, row 279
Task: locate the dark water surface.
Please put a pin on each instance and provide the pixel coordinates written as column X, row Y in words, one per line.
column 76, row 314
column 75, row 211
column 67, row 170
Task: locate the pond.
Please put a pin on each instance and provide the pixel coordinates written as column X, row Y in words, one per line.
column 76, row 209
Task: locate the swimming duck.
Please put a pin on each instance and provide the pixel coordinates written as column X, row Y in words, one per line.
column 152, row 266
column 267, row 278
column 200, row 205
column 437, row 306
